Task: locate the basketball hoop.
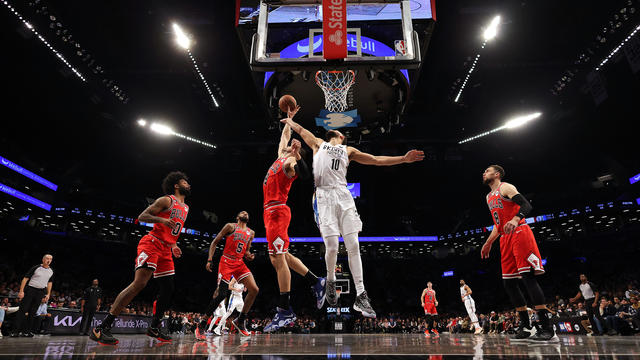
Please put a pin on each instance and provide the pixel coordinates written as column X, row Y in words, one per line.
column 335, row 84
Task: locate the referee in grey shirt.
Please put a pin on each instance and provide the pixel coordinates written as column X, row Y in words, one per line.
column 35, row 285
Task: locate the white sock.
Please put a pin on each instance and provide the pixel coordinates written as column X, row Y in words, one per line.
column 355, row 262
column 331, row 256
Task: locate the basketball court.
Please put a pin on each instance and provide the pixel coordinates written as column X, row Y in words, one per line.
column 357, row 66
column 329, row 346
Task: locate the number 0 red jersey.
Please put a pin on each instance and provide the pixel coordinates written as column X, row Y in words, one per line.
column 502, row 209
column 177, row 211
column 276, row 185
column 236, row 243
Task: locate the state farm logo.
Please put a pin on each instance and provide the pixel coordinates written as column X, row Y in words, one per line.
column 336, row 37
column 337, row 14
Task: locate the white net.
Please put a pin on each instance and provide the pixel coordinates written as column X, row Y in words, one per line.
column 335, row 85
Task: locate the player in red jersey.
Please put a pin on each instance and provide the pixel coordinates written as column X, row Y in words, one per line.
column 429, row 303
column 168, row 214
column 519, row 252
column 277, row 216
column 238, row 238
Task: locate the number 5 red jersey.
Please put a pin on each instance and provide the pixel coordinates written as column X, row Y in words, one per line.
column 177, row 211
column 236, row 243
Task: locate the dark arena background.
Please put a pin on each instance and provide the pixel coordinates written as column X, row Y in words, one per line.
column 103, row 99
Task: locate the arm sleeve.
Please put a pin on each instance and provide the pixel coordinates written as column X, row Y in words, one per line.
column 302, row 169
column 31, row 271
column 525, row 205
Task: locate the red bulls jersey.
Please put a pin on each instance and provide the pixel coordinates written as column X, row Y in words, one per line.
column 502, row 209
column 176, row 211
column 430, row 297
column 236, row 243
column 276, row 185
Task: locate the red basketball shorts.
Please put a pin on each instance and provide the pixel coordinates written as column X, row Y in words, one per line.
column 519, row 253
column 156, row 255
column 232, row 268
column 276, row 221
column 430, row 309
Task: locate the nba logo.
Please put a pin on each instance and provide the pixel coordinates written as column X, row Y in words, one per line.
column 561, row 325
column 568, row 326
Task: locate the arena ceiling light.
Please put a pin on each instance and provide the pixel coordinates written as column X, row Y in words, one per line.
column 43, row 40
column 166, row 130
column 510, row 124
column 489, row 34
column 183, row 40
column 492, row 30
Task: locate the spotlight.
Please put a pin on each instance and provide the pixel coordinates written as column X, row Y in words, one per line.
column 162, row 129
column 142, row 122
column 510, row 124
column 181, row 37
column 492, row 29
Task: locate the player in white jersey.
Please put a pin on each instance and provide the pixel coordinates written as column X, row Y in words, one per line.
column 334, row 208
column 235, row 303
column 218, row 314
column 465, row 295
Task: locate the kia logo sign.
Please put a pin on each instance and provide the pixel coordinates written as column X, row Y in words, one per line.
column 66, row 321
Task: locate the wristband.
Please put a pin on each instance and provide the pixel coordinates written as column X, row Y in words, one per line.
column 209, row 261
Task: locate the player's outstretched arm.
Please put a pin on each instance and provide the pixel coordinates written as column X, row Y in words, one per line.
column 226, row 229
column 368, row 159
column 284, row 140
column 306, row 135
column 149, row 214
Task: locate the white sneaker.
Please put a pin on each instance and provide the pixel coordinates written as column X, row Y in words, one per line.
column 217, row 331
column 478, row 331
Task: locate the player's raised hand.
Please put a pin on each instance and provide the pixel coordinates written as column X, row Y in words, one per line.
column 486, row 249
column 413, row 156
column 292, row 112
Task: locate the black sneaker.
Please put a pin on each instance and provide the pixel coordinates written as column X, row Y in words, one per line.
column 522, row 334
column 331, row 295
column 160, row 334
column 26, row 334
column 102, row 336
column 240, row 325
column 363, row 304
column 545, row 336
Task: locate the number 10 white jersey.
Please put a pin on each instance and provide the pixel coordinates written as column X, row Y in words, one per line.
column 330, row 165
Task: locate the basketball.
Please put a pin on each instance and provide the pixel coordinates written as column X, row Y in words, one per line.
column 287, row 103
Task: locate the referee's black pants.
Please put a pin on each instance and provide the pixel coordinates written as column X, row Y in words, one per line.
column 87, row 318
column 29, row 305
column 593, row 312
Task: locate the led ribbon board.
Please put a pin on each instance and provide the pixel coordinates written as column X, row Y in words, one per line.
column 26, row 173
column 24, row 197
column 369, row 46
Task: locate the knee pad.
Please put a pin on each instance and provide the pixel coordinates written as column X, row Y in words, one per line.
column 512, row 289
